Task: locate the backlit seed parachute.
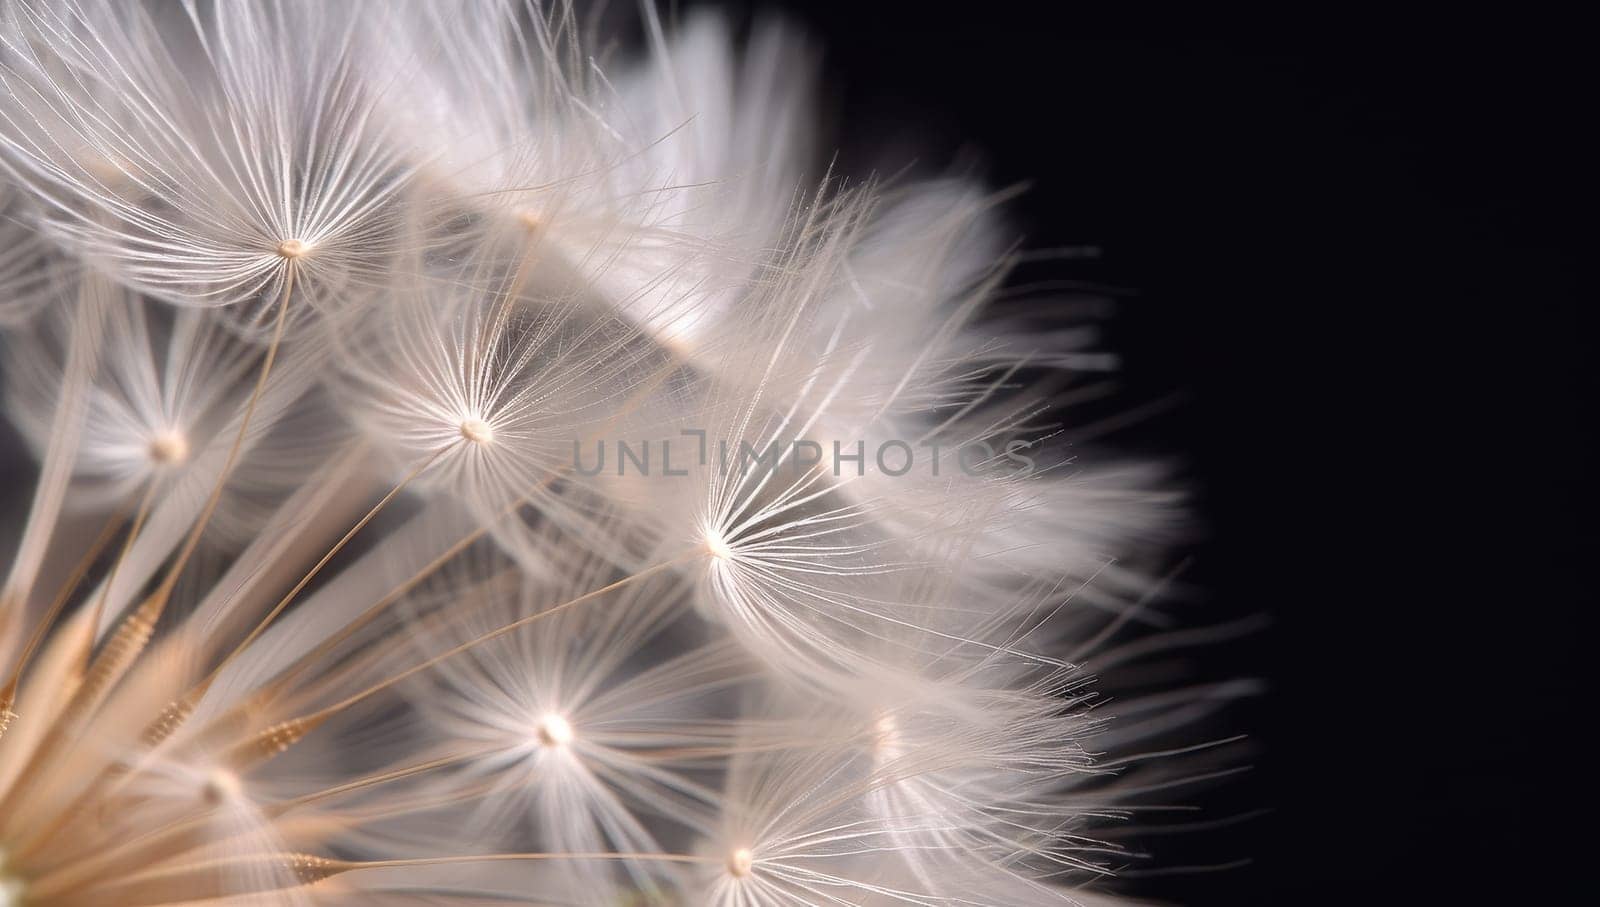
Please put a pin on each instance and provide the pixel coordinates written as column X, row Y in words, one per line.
column 211, row 154
column 165, row 385
column 489, row 368
column 473, row 467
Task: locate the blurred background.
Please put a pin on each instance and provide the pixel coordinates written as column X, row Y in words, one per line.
column 1345, row 261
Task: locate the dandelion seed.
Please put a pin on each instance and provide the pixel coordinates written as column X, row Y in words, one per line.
column 169, row 447
column 718, row 545
column 477, row 431
column 741, row 862
column 554, row 730
column 221, row 787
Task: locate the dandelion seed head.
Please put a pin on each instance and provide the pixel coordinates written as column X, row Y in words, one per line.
column 314, row 357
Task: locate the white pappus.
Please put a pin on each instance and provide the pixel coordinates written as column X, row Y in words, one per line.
column 315, row 316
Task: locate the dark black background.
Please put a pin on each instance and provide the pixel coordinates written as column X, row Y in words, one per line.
column 1355, row 255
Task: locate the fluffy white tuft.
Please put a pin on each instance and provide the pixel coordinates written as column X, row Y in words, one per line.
column 475, row 469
